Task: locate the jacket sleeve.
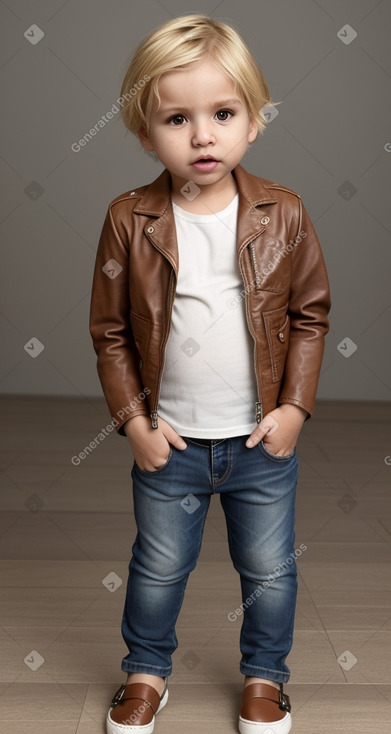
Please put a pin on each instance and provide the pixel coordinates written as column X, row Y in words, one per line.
column 110, row 328
column 309, row 305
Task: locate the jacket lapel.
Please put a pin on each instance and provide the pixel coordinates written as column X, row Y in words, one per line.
column 252, row 194
column 155, row 204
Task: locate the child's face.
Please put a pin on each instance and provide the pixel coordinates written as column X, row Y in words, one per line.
column 200, row 115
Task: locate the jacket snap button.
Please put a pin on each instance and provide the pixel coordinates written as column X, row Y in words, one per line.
column 281, row 336
column 150, row 230
column 265, row 220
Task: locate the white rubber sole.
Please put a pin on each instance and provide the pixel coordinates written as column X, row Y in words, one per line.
column 283, row 726
column 113, row 728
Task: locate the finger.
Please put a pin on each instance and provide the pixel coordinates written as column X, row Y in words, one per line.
column 253, row 439
column 272, row 424
column 174, row 438
column 265, row 428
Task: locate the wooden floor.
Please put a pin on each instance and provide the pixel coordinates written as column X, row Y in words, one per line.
column 67, row 528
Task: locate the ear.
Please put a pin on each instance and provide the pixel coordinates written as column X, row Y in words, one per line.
column 144, row 138
column 253, row 131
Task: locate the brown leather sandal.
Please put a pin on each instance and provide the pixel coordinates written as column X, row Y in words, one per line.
column 265, row 710
column 134, row 707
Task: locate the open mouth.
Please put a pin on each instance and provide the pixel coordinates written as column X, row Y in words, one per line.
column 205, row 160
column 205, row 164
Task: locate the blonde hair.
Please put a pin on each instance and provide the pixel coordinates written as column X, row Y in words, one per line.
column 181, row 42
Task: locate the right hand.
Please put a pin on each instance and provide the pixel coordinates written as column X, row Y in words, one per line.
column 151, row 446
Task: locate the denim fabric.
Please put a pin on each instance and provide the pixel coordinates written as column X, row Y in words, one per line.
column 257, row 492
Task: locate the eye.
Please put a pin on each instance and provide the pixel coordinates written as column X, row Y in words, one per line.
column 176, row 120
column 223, row 115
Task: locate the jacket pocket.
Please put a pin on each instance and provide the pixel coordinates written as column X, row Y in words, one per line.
column 141, row 333
column 271, row 266
column 277, row 327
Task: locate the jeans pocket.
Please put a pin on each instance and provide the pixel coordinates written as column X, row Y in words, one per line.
column 160, row 468
column 274, row 457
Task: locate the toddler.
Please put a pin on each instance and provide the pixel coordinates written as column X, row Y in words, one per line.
column 208, row 316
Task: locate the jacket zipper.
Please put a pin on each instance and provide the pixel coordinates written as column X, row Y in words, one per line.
column 154, row 418
column 258, row 403
column 255, row 266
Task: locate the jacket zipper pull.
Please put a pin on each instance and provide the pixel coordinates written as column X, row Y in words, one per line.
column 154, row 419
column 258, row 412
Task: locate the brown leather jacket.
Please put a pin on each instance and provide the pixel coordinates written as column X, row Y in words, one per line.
column 285, row 288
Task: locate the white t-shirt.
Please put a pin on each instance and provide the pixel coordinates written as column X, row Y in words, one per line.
column 208, row 387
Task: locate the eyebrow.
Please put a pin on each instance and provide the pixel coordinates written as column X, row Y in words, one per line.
column 218, row 103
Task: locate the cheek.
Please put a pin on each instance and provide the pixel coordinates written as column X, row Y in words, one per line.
column 169, row 148
column 168, row 138
column 241, row 137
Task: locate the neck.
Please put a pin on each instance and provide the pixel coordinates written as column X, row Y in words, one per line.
column 210, row 200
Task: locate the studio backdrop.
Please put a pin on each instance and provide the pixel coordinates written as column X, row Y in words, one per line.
column 66, row 154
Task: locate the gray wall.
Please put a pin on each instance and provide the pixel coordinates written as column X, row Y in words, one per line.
column 331, row 142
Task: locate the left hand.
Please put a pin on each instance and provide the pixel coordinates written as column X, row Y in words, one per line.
column 279, row 429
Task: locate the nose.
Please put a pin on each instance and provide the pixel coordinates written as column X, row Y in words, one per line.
column 203, row 134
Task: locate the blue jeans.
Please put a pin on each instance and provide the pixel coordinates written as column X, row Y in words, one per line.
column 257, row 492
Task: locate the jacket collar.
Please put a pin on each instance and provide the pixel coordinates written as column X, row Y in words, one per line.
column 155, row 201
column 157, row 197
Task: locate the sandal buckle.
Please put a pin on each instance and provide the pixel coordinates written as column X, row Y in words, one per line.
column 284, row 702
column 118, row 696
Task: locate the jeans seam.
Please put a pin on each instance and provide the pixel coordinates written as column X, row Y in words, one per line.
column 159, row 469
column 227, row 471
column 274, row 457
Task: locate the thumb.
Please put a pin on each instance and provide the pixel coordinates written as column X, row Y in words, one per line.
column 266, row 427
column 269, row 425
column 173, row 437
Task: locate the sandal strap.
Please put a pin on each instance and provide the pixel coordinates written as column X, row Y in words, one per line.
column 263, row 690
column 140, row 691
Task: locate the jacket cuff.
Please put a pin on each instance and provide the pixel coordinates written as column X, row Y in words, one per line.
column 119, row 427
column 293, row 401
